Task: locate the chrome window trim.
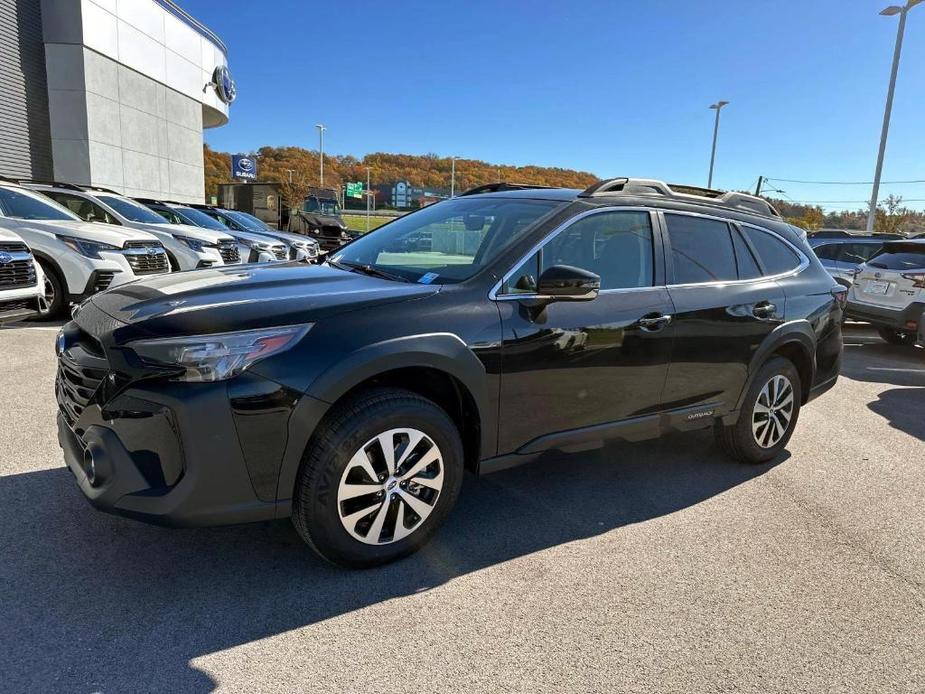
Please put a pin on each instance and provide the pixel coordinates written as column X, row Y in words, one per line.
column 804, row 260
column 494, row 295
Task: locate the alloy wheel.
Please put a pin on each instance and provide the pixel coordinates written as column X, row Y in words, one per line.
column 773, row 411
column 390, row 486
column 48, row 300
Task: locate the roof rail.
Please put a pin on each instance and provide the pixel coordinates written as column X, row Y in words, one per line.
column 497, row 187
column 648, row 186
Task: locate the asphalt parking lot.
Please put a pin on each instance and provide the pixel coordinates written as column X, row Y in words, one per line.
column 658, row 566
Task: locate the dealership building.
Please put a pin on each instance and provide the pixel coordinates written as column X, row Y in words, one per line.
column 113, row 93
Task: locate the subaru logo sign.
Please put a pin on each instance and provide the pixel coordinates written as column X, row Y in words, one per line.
column 243, row 166
column 224, row 85
column 5, row 259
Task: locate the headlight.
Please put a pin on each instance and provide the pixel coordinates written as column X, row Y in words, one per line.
column 195, row 245
column 91, row 249
column 208, row 358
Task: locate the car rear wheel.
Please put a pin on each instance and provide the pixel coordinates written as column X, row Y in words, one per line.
column 55, row 300
column 768, row 416
column 904, row 338
column 378, row 478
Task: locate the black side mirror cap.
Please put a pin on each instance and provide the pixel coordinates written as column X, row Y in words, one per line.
column 567, row 283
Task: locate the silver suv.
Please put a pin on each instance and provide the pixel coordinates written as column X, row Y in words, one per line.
column 77, row 258
column 188, row 247
column 889, row 291
column 22, row 282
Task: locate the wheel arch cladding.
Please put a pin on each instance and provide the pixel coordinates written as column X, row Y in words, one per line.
column 437, row 366
column 795, row 341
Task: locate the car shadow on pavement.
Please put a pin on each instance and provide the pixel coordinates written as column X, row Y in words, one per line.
column 91, row 602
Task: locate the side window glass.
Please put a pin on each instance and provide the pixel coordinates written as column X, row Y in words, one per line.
column 857, row 253
column 830, row 251
column 615, row 245
column 748, row 266
column 701, row 250
column 523, row 279
column 87, row 210
column 775, row 255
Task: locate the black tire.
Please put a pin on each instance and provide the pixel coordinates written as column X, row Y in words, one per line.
column 738, row 440
column 315, row 507
column 903, row 338
column 56, row 302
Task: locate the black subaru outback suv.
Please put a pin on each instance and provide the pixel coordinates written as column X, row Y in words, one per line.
column 353, row 395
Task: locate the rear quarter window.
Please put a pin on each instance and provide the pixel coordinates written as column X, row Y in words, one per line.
column 776, row 256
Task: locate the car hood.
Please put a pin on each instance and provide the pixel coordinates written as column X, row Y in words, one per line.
column 91, row 231
column 227, row 298
column 254, row 236
column 287, row 237
column 187, row 230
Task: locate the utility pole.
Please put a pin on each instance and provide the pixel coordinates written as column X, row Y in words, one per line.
column 717, row 107
column 758, row 187
column 321, row 129
column 897, row 50
column 453, row 178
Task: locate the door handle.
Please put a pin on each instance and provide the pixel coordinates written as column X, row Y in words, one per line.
column 653, row 322
column 765, row 309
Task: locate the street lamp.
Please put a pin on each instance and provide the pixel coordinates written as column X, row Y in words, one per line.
column 717, row 107
column 888, row 12
column 290, row 175
column 321, row 129
column 453, row 177
column 369, row 193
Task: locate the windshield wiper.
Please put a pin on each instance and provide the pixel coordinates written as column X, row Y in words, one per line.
column 371, row 270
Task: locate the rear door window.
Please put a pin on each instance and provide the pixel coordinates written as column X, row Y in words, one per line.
column 748, row 266
column 857, row 253
column 830, row 251
column 776, row 256
column 701, row 249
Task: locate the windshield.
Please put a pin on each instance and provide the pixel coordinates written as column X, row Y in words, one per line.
column 132, row 211
column 246, row 220
column 200, row 219
column 321, row 206
column 22, row 205
column 446, row 242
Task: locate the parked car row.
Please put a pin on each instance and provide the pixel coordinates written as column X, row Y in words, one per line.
column 886, row 277
column 61, row 242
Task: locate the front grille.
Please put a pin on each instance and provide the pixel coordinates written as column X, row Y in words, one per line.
column 146, row 258
column 102, row 280
column 293, row 253
column 81, row 368
column 17, row 305
column 229, row 252
column 13, row 247
column 17, row 273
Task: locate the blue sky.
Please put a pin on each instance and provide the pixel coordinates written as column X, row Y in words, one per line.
column 615, row 88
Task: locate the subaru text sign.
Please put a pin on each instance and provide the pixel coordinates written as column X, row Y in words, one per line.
column 242, row 166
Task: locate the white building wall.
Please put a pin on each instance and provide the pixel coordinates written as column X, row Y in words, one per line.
column 128, row 98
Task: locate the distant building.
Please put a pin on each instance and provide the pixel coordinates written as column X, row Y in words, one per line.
column 405, row 195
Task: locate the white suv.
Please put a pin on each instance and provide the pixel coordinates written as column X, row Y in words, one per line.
column 889, row 291
column 77, row 258
column 22, row 282
column 188, row 247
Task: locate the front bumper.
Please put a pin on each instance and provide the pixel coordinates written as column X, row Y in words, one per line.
column 901, row 319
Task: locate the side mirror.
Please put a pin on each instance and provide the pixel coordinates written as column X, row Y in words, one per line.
column 567, row 283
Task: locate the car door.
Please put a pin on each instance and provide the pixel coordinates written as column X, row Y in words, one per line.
column 569, row 365
column 724, row 309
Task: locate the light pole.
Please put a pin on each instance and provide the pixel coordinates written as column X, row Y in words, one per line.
column 888, row 12
column 290, row 175
column 453, row 177
column 321, row 129
column 369, row 193
column 718, row 106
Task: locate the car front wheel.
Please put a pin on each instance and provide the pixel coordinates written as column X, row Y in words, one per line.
column 379, row 477
column 768, row 416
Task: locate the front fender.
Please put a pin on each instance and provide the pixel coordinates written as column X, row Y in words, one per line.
column 444, row 352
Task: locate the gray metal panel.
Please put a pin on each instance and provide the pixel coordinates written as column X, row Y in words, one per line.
column 25, row 138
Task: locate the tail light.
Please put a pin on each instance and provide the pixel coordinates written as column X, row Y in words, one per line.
column 840, row 294
column 917, row 278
